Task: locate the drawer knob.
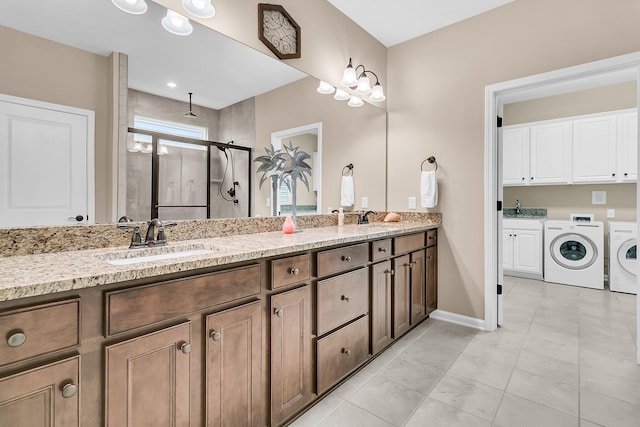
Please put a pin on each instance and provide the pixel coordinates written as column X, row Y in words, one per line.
column 344, row 298
column 432, row 237
column 391, row 272
column 413, row 263
column 215, row 335
column 429, row 257
column 277, row 312
column 185, row 348
column 346, row 258
column 382, row 249
column 346, row 351
column 16, row 339
column 294, row 271
column 69, row 390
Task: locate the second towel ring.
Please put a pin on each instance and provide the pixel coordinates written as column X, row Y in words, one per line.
column 349, row 168
column 431, row 160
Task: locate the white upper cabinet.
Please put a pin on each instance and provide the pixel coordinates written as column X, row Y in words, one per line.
column 628, row 147
column 515, row 155
column 551, row 153
column 594, row 149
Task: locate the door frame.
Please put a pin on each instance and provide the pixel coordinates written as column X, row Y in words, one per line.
column 521, row 89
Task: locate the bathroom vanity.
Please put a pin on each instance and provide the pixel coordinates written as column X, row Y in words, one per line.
column 247, row 330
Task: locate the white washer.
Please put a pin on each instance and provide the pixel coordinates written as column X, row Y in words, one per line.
column 623, row 265
column 574, row 253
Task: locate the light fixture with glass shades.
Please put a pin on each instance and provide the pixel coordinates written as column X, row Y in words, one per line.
column 199, row 8
column 354, row 101
column 341, row 95
column 177, row 24
column 325, row 88
column 134, row 7
column 359, row 81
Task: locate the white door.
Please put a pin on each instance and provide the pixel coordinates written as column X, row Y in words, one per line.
column 46, row 161
column 527, row 251
column 594, row 149
column 550, row 153
column 515, row 161
column 507, row 249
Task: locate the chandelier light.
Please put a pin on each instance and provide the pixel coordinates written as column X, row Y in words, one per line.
column 177, row 24
column 134, row 7
column 199, row 8
column 325, row 88
column 341, row 95
column 354, row 101
column 356, row 79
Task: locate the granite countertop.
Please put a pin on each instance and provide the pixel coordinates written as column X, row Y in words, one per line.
column 32, row 275
column 525, row 213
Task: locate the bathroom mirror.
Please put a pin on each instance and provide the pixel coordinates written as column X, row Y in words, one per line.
column 352, row 135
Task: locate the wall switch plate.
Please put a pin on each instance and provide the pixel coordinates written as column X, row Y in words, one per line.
column 611, row 213
column 364, row 203
column 412, row 203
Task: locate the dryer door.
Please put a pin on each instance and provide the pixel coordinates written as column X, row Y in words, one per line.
column 627, row 256
column 573, row 251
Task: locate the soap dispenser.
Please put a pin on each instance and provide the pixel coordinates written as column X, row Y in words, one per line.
column 340, row 217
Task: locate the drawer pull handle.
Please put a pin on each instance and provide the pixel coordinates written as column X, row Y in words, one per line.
column 16, row 339
column 277, row 312
column 382, row 249
column 215, row 335
column 346, row 352
column 69, row 390
column 413, row 263
column 185, row 348
column 391, row 272
column 344, row 298
column 346, row 258
column 294, row 271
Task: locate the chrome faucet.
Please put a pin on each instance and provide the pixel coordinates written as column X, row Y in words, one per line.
column 363, row 219
column 517, row 207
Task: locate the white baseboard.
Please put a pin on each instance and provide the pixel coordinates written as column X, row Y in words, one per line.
column 458, row 319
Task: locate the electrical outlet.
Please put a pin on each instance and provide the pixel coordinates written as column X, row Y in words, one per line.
column 364, row 203
column 611, row 213
column 412, row 203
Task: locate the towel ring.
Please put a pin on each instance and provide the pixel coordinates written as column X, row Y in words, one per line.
column 350, row 169
column 431, row 160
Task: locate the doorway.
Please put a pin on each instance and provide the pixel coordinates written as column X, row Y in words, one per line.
column 618, row 69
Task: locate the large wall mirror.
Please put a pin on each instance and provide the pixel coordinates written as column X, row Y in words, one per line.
column 240, row 96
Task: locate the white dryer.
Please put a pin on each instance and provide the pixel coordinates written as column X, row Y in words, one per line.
column 623, row 264
column 573, row 253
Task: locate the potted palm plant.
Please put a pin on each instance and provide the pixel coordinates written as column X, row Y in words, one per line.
column 285, row 166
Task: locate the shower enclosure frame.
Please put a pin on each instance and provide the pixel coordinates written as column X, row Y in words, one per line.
column 155, row 167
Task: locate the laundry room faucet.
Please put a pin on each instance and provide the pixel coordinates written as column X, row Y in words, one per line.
column 517, row 207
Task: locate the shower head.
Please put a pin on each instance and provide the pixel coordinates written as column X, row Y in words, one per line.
column 190, row 112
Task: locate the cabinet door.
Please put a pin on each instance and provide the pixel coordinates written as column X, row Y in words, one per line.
column 234, row 367
column 515, row 156
column 401, row 295
column 44, row 396
column 147, row 379
column 418, row 286
column 550, row 153
column 290, row 352
column 507, row 249
column 432, row 279
column 594, row 149
column 381, row 278
column 628, row 147
column 527, row 251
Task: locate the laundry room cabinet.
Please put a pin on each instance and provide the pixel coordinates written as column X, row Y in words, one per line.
column 522, row 250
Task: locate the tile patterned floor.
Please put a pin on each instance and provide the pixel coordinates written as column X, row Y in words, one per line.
column 565, row 357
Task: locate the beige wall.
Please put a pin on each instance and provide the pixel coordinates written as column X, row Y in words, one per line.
column 436, row 107
column 39, row 69
column 349, row 135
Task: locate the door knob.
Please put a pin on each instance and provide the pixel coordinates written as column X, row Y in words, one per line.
column 344, row 298
column 69, row 390
column 346, row 258
column 76, row 218
column 185, row 348
column 16, row 339
column 215, row 335
column 346, row 351
column 277, row 312
column 382, row 249
column 294, row 271
column 391, row 272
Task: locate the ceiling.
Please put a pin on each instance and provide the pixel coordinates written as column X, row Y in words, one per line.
column 396, row 21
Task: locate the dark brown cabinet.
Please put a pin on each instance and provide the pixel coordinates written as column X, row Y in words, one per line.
column 44, row 396
column 147, row 379
column 234, row 367
column 381, row 306
column 401, row 295
column 432, row 279
column 291, row 364
column 418, row 286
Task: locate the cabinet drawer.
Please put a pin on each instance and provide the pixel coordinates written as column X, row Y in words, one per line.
column 380, row 249
column 291, row 270
column 432, row 238
column 408, row 243
column 341, row 352
column 342, row 259
column 40, row 329
column 341, row 299
column 132, row 308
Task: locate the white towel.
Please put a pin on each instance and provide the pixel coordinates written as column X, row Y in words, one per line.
column 347, row 192
column 428, row 189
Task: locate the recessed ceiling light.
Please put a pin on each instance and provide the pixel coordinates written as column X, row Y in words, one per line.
column 171, row 84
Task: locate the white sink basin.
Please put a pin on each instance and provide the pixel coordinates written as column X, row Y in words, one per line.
column 155, row 254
